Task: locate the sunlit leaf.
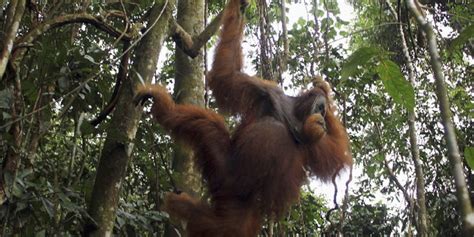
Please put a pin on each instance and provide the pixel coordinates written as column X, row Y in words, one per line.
column 396, row 85
column 371, row 171
column 301, row 21
column 359, row 58
column 469, row 156
column 89, row 58
column 379, row 157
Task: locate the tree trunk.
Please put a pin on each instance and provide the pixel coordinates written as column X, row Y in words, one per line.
column 121, row 132
column 415, row 151
column 12, row 156
column 189, row 86
column 265, row 61
column 15, row 13
column 189, row 89
column 286, row 45
column 446, row 117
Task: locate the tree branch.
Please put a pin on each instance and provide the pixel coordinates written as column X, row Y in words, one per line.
column 191, row 46
column 121, row 77
column 59, row 21
column 392, row 176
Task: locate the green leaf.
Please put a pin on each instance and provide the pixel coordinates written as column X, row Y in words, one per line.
column 359, row 58
column 5, row 98
column 48, row 206
column 379, row 157
column 120, row 221
column 41, row 233
column 371, row 171
column 397, row 87
column 89, row 58
column 469, row 156
column 466, row 35
column 301, row 21
column 5, row 116
column 320, row 13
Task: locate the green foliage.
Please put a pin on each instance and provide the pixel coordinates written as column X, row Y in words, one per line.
column 469, row 156
column 464, row 37
column 358, row 60
column 68, row 75
column 306, row 217
column 396, row 85
column 392, row 78
column 307, row 40
column 369, row 220
column 5, row 98
column 37, row 206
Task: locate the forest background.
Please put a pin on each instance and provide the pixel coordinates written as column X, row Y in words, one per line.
column 78, row 155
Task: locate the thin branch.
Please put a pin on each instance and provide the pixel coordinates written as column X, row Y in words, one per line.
column 345, row 201
column 145, row 33
column 389, row 170
column 206, row 69
column 397, row 182
column 326, row 39
column 265, row 60
column 367, row 29
column 121, row 77
column 286, row 50
column 334, row 199
column 191, row 46
column 59, row 21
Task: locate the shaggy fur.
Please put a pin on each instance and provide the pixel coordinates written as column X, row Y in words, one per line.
column 259, row 169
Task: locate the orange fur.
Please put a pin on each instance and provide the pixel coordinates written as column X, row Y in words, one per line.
column 203, row 130
column 258, row 171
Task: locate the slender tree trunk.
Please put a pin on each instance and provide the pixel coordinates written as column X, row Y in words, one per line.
column 286, row 46
column 189, row 89
column 15, row 13
column 12, row 156
column 326, row 39
column 446, row 117
column 265, row 62
column 415, row 151
column 121, row 132
column 315, row 41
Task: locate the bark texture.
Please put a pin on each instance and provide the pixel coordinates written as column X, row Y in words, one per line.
column 446, row 117
column 189, row 88
column 15, row 13
column 121, row 132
